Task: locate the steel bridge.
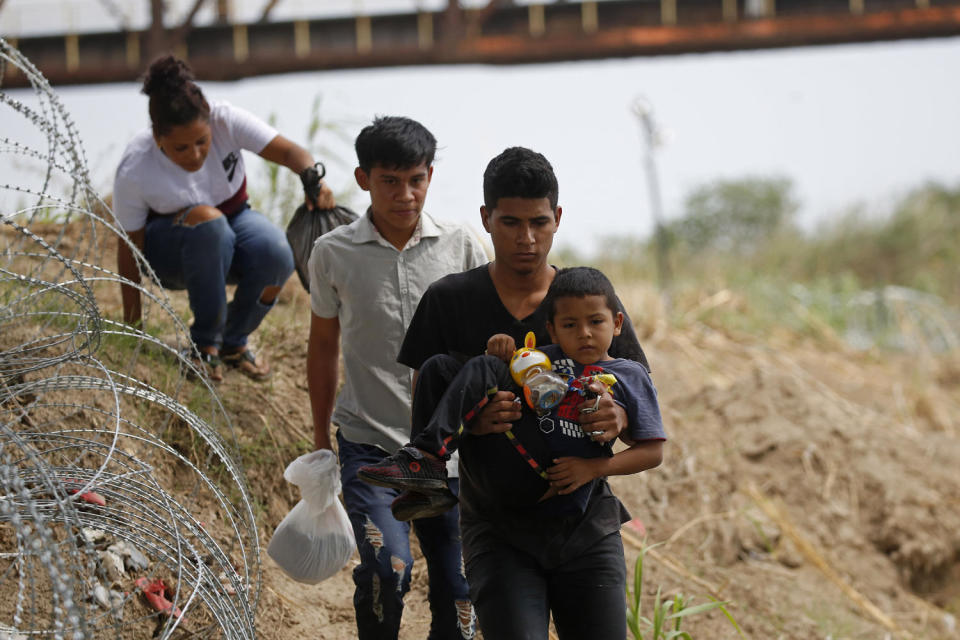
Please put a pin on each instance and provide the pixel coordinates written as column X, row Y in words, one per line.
column 499, row 33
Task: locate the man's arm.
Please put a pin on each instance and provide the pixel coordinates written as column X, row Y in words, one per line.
column 323, row 359
column 128, row 269
column 284, row 151
column 496, row 417
column 627, row 344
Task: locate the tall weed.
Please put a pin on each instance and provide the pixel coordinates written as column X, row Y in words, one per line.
column 906, row 264
column 666, row 616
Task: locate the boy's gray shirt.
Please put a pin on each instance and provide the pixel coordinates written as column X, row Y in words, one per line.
column 373, row 288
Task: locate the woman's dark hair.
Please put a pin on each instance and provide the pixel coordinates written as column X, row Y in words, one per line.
column 519, row 173
column 394, row 142
column 579, row 282
column 175, row 99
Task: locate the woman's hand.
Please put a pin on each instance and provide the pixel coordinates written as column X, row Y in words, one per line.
column 294, row 157
column 324, row 199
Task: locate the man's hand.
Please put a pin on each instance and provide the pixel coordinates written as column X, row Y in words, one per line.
column 607, row 421
column 502, row 346
column 498, row 414
column 569, row 474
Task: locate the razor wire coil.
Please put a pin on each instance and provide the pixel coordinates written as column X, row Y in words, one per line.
column 119, row 480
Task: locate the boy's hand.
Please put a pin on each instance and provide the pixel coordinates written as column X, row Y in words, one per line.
column 498, row 416
column 569, row 474
column 502, row 346
column 600, row 417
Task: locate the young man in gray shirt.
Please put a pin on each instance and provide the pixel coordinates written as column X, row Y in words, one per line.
column 366, row 280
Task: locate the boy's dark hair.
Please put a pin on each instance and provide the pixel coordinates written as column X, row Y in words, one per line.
column 578, row 282
column 175, row 99
column 394, row 142
column 519, row 173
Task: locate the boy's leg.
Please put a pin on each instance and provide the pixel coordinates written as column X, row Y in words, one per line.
column 196, row 258
column 509, row 591
column 452, row 613
column 383, row 576
column 433, row 378
column 410, row 468
column 262, row 261
column 586, row 592
column 465, row 396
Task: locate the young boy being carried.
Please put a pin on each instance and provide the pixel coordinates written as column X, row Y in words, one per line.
column 530, row 516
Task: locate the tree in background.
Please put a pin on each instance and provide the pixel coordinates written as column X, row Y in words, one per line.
column 735, row 216
column 917, row 246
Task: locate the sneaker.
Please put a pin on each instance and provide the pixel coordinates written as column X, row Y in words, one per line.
column 408, row 468
column 413, row 505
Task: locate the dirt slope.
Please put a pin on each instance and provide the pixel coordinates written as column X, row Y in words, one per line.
column 855, row 455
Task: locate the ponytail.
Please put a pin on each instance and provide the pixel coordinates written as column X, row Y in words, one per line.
column 175, row 99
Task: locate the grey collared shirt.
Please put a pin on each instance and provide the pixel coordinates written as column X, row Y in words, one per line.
column 373, row 288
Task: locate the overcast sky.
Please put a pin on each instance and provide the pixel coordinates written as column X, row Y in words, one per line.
column 848, row 124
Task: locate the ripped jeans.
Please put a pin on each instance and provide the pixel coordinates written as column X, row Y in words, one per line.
column 245, row 249
column 383, row 576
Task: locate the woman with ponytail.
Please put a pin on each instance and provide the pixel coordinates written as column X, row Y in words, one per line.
column 180, row 193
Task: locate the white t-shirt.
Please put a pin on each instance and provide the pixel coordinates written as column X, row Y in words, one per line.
column 148, row 180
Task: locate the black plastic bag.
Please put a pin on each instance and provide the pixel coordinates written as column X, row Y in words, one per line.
column 304, row 229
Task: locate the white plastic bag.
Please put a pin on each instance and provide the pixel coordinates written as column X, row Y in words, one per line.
column 315, row 540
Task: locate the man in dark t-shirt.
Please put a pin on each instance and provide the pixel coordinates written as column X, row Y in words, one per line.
column 455, row 318
column 459, row 313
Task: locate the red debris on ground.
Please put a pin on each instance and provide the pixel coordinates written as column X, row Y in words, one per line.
column 90, row 496
column 155, row 593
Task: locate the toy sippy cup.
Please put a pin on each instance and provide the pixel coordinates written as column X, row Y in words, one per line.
column 530, row 368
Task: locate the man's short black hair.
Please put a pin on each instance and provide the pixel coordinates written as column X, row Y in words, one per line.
column 519, row 173
column 394, row 142
column 579, row 282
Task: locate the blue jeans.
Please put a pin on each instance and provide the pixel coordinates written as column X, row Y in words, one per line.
column 245, row 249
column 383, row 576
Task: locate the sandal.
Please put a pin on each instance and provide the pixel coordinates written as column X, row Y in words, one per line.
column 209, row 364
column 246, row 362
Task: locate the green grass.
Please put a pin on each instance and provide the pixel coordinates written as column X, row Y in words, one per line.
column 666, row 616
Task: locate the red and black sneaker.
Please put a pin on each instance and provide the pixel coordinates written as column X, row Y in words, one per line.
column 408, row 468
column 413, row 505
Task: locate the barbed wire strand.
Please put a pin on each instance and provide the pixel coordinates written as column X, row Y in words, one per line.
column 118, row 475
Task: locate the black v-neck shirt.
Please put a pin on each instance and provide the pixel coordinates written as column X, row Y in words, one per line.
column 458, row 314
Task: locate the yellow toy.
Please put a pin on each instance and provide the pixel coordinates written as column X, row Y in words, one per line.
column 528, row 360
column 543, row 388
column 531, row 369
